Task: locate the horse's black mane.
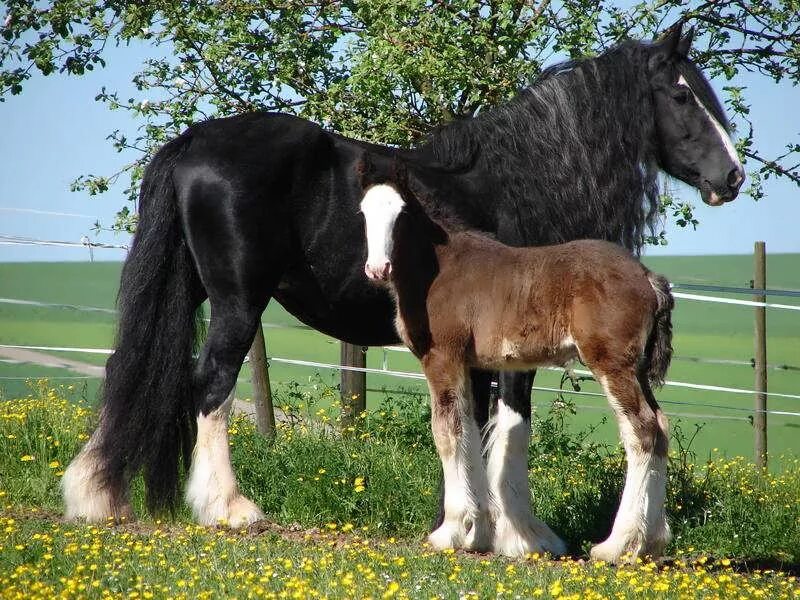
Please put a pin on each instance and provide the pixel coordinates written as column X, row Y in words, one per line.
column 573, row 151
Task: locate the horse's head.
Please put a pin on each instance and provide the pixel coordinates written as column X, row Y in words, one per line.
column 692, row 131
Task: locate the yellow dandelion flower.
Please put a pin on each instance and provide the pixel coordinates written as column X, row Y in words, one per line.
column 391, row 589
column 27, row 458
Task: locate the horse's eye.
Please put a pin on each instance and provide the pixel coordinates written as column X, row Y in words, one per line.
column 682, row 96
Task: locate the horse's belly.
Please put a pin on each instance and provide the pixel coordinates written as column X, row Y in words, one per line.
column 358, row 314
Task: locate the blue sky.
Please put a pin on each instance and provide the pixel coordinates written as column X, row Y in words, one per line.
column 55, row 131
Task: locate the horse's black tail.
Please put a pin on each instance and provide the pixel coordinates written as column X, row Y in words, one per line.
column 147, row 419
column 658, row 353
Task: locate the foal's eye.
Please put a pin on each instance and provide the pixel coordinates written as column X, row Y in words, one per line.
column 682, row 96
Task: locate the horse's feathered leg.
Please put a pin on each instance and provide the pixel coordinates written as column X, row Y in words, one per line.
column 239, row 241
column 211, row 490
column 517, row 532
column 640, row 527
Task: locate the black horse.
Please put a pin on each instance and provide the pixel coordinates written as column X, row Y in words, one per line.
column 259, row 206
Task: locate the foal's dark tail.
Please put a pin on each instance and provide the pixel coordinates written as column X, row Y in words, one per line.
column 147, row 419
column 658, row 352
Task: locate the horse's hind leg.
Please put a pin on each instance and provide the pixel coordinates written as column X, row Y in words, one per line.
column 640, row 527
column 516, row 530
column 86, row 496
column 466, row 520
column 211, row 490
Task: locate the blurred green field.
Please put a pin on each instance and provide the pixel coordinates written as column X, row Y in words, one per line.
column 701, row 330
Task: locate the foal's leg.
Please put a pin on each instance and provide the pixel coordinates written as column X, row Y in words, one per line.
column 640, row 527
column 480, row 385
column 517, row 531
column 466, row 520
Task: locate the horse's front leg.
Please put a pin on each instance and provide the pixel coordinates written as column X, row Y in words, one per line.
column 466, row 521
column 516, row 531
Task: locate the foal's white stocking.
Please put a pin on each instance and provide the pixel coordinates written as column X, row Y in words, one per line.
column 516, row 531
column 212, row 491
column 466, row 499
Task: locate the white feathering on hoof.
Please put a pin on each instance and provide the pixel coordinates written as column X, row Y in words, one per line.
column 516, row 531
column 85, row 497
column 212, row 491
column 640, row 527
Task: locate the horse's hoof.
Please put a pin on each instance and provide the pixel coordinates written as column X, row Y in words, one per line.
column 85, row 498
column 243, row 512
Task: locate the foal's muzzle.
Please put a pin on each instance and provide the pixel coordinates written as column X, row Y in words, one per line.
column 381, row 271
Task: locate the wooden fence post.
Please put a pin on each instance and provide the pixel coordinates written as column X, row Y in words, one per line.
column 760, row 362
column 262, row 391
column 354, row 383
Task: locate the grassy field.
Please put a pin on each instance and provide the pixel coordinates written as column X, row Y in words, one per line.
column 348, row 517
column 701, row 330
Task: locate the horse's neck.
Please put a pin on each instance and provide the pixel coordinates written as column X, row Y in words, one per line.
column 547, row 172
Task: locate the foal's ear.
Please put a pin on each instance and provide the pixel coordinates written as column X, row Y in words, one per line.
column 365, row 170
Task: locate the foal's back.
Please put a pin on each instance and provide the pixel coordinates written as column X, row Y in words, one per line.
column 518, row 307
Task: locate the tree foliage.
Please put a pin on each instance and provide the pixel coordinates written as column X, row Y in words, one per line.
column 381, row 70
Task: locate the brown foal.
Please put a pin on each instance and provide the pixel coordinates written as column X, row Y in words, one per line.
column 465, row 300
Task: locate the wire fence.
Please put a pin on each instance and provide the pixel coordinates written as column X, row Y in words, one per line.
column 384, row 370
column 420, row 376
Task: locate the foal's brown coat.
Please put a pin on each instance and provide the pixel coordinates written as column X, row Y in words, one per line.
column 494, row 306
column 465, row 300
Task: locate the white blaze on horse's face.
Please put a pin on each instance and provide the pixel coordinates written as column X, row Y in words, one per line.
column 381, row 205
column 726, row 139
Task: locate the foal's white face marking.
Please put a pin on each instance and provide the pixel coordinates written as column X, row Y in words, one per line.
column 381, row 205
column 726, row 139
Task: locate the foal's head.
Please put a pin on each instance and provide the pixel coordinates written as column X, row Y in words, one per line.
column 393, row 215
column 692, row 130
column 381, row 205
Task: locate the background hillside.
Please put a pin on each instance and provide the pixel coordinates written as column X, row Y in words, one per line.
column 702, row 330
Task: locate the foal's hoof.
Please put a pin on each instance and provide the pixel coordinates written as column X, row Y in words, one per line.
column 479, row 537
column 614, row 552
column 532, row 537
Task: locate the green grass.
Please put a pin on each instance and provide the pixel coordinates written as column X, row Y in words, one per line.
column 701, row 330
column 348, row 516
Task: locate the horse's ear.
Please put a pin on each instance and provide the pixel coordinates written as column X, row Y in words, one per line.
column 685, row 43
column 666, row 46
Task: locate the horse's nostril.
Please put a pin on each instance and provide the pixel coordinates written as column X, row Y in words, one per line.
column 735, row 178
